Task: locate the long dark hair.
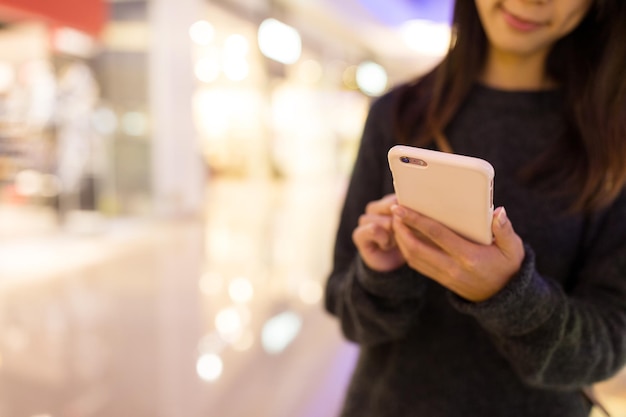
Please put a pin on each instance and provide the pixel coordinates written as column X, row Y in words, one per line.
column 590, row 66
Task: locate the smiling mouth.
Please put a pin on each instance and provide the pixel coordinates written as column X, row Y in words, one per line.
column 519, row 23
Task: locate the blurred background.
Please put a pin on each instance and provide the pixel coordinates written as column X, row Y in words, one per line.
column 171, row 173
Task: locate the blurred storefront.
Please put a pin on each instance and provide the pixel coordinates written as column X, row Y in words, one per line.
column 51, row 157
column 281, row 109
column 122, row 110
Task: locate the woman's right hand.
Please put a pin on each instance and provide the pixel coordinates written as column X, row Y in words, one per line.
column 374, row 237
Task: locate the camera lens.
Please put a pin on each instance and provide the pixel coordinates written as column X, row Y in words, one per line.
column 405, row 159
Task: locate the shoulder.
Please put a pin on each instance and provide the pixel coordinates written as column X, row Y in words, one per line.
column 387, row 106
column 383, row 106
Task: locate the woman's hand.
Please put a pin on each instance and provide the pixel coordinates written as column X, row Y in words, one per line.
column 374, row 238
column 473, row 271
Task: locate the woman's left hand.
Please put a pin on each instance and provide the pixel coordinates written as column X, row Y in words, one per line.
column 473, row 271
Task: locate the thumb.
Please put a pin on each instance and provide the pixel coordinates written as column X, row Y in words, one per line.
column 504, row 235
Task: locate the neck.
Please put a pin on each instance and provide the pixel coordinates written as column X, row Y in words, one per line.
column 515, row 72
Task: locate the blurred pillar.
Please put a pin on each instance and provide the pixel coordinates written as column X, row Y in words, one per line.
column 178, row 173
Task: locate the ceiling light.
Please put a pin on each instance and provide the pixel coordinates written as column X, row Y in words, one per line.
column 426, row 37
column 279, row 41
column 371, row 78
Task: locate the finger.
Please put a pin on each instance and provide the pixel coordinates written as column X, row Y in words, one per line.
column 505, row 237
column 382, row 220
column 421, row 254
column 436, row 232
column 382, row 206
column 383, row 237
column 373, row 235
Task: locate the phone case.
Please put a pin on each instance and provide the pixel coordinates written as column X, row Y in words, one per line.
column 455, row 190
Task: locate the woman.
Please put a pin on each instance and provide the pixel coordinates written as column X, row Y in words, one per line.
column 447, row 327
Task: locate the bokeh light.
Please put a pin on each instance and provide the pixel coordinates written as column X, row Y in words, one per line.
column 371, row 78
column 280, row 331
column 426, row 37
column 202, row 32
column 209, row 367
column 279, row 41
column 241, row 290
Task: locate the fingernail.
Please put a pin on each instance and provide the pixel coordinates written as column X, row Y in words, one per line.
column 398, row 211
column 501, row 218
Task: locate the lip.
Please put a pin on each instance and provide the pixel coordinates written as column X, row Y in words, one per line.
column 520, row 24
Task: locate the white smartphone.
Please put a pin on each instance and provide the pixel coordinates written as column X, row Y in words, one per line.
column 455, row 190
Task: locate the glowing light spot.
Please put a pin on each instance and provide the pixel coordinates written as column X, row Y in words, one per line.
column 241, row 290
column 371, row 78
column 228, row 322
column 279, row 41
column 426, row 37
column 134, row 123
column 279, row 331
column 202, row 32
column 236, row 46
column 104, row 121
column 28, row 182
column 209, row 367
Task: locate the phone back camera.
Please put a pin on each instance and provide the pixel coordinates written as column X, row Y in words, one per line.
column 405, row 159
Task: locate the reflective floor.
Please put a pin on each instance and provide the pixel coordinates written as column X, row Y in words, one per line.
column 219, row 316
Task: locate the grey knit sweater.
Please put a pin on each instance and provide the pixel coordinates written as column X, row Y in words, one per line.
column 559, row 325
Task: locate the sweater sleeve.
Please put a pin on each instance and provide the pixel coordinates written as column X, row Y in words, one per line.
column 559, row 340
column 372, row 307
